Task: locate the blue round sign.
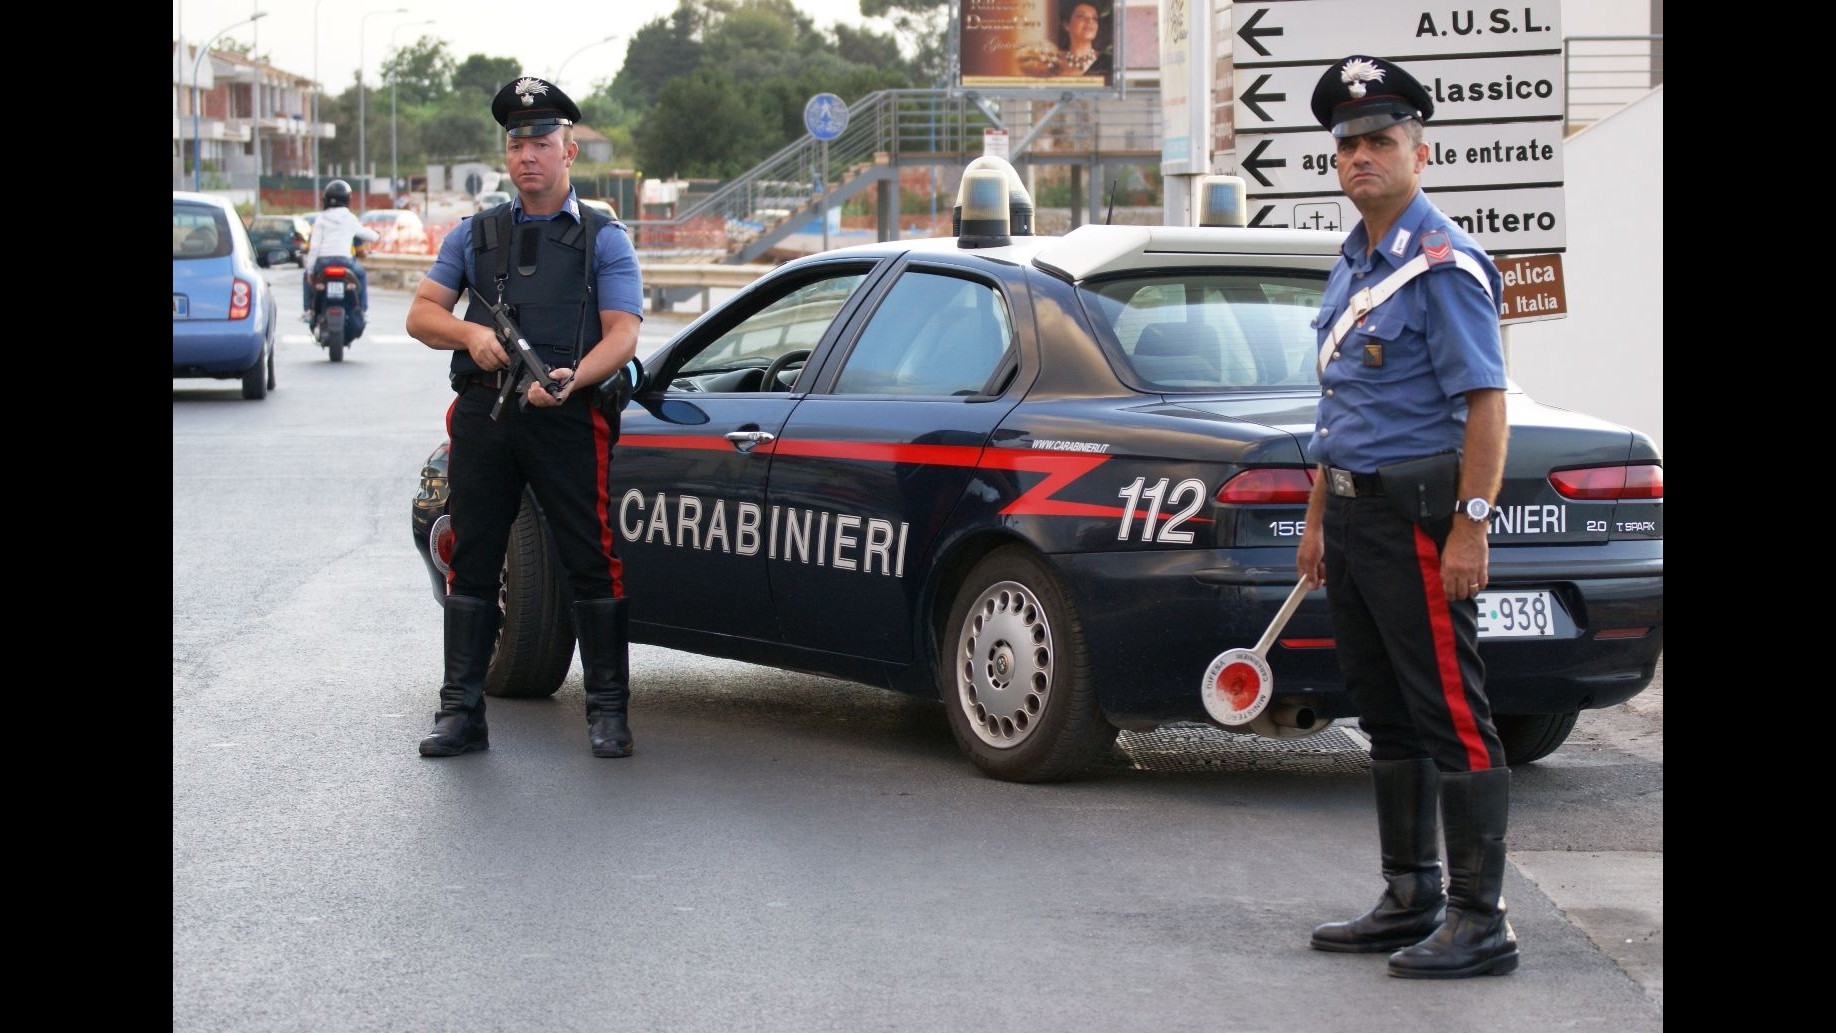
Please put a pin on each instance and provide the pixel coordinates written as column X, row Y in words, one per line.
column 825, row 116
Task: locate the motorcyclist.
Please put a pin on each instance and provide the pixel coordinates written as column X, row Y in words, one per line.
column 334, row 236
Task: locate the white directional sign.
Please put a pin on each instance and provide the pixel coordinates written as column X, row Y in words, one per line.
column 1495, row 139
column 1479, row 155
column 1532, row 220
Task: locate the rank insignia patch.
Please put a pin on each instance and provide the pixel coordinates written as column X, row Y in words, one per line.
column 1437, row 247
column 1373, row 355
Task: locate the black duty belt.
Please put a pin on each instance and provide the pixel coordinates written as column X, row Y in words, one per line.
column 493, row 380
column 1349, row 485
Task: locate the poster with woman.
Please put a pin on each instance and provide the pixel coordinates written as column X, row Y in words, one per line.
column 1043, row 43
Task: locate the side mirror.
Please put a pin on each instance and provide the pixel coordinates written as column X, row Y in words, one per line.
column 616, row 391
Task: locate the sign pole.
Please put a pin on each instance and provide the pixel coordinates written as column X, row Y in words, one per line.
column 822, row 184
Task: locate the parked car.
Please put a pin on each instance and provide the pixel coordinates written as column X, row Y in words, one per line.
column 279, row 238
column 604, row 207
column 399, row 231
column 490, row 199
column 223, row 311
column 1047, row 481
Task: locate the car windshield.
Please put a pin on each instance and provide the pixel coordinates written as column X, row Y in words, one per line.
column 199, row 231
column 1204, row 330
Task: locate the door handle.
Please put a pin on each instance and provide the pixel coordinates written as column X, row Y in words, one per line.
column 747, row 440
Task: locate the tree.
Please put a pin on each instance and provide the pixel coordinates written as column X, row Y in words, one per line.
column 659, row 51
column 479, row 74
column 704, row 124
column 420, row 72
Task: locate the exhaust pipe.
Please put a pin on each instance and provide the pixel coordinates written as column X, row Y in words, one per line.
column 1293, row 715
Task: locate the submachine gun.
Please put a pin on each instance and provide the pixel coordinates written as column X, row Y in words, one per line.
column 525, row 364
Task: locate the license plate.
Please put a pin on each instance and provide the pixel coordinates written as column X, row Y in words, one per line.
column 1505, row 614
column 181, row 307
column 334, row 290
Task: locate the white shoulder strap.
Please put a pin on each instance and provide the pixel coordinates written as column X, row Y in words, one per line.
column 1369, row 298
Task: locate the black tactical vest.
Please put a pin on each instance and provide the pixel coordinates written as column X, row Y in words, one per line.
column 545, row 270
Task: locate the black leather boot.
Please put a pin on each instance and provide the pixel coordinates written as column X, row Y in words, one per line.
column 471, row 635
column 1474, row 939
column 600, row 625
column 1409, row 838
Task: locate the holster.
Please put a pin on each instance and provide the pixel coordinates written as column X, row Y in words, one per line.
column 1423, row 490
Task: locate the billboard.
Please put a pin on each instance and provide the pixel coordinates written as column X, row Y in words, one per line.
column 1049, row 44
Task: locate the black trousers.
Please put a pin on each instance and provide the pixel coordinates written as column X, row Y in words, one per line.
column 564, row 455
column 1409, row 655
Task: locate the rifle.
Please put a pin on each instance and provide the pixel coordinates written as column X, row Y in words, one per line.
column 525, row 364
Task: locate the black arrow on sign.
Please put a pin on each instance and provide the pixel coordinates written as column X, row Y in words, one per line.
column 1249, row 32
column 1255, row 161
column 1252, row 100
column 1262, row 214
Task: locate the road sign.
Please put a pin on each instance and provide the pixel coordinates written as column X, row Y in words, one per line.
column 1502, row 221
column 1495, row 139
column 1464, row 90
column 825, row 116
column 1513, row 154
column 1400, row 32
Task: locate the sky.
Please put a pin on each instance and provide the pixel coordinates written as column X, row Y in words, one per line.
column 564, row 45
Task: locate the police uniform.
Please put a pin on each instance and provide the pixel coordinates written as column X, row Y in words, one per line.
column 1406, row 328
column 555, row 273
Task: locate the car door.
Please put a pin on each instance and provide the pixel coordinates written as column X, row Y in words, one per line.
column 867, row 471
column 688, row 477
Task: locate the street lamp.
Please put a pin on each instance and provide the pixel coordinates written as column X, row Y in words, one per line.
column 317, row 89
column 582, row 50
column 363, row 158
column 197, row 133
column 392, row 79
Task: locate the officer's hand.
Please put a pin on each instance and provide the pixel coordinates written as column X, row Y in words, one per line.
column 481, row 344
column 539, row 396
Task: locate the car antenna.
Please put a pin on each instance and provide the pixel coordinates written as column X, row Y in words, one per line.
column 1109, row 219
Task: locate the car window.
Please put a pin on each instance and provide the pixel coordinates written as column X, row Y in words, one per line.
column 794, row 322
column 932, row 335
column 1209, row 331
column 199, row 231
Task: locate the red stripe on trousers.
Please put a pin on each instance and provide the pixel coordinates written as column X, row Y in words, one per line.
column 602, row 506
column 1446, row 657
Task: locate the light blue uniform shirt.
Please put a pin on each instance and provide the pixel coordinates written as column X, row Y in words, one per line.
column 1396, row 389
column 614, row 259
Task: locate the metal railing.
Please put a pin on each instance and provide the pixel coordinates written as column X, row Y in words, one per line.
column 1601, row 74
column 886, row 131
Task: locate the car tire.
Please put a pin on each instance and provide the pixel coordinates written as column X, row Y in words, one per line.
column 1014, row 674
column 535, row 646
column 1531, row 737
column 255, row 379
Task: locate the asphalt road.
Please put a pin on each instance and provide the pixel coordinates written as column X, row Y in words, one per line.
column 785, row 853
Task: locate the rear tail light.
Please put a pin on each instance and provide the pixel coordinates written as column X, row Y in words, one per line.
column 1640, row 481
column 335, row 272
column 1268, row 486
column 241, row 292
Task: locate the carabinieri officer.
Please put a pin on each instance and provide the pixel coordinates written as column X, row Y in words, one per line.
column 571, row 279
column 1410, row 442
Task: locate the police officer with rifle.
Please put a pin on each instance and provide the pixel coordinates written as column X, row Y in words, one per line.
column 555, row 303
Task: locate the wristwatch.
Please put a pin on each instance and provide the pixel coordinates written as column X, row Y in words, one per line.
column 1476, row 509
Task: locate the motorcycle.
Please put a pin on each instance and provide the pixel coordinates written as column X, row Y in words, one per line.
column 337, row 306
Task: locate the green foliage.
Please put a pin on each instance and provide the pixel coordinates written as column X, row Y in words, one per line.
column 704, row 124
column 420, row 72
column 479, row 75
column 710, row 89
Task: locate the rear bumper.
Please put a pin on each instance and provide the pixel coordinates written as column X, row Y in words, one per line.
column 1155, row 621
column 217, row 348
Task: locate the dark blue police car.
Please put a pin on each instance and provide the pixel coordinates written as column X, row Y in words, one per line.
column 1048, row 480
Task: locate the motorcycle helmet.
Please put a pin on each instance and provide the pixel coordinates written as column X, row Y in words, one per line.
column 337, row 194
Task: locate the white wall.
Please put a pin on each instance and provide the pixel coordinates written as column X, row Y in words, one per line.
column 1606, row 357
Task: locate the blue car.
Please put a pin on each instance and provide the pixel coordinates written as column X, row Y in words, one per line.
column 223, row 310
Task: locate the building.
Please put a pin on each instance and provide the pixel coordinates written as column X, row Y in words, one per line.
column 242, row 117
